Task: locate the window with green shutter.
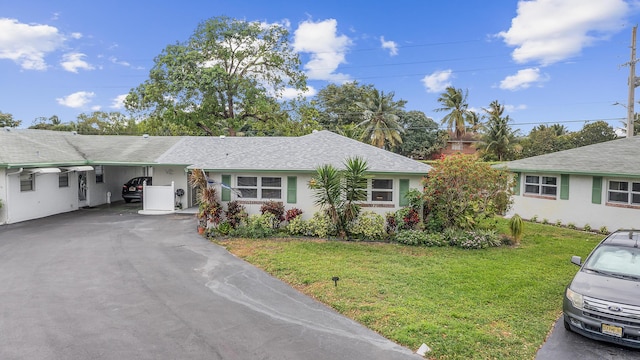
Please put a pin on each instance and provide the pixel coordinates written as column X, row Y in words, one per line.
column 516, row 187
column 225, row 194
column 292, row 189
column 596, row 190
column 404, row 189
column 564, row 187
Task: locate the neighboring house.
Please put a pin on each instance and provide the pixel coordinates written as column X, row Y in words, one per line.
column 596, row 185
column 46, row 172
column 464, row 145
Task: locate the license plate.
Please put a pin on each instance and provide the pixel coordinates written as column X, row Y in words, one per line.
column 132, row 188
column 612, row 330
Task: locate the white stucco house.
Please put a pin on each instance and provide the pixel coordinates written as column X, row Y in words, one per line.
column 596, row 185
column 44, row 173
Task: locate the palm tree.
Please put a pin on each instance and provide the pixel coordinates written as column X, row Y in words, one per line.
column 499, row 138
column 340, row 192
column 455, row 102
column 381, row 122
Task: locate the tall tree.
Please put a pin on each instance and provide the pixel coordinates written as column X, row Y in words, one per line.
column 498, row 137
column 421, row 138
column 227, row 70
column 543, row 140
column 593, row 133
column 6, row 120
column 336, row 104
column 454, row 101
column 380, row 119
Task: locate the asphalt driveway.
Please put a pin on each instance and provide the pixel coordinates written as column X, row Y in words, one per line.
column 111, row 284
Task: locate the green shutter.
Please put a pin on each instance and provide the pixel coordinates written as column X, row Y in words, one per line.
column 564, row 187
column 404, row 189
column 516, row 186
column 225, row 195
column 292, row 189
column 596, row 190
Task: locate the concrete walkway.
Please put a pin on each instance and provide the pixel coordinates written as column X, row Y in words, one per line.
column 108, row 283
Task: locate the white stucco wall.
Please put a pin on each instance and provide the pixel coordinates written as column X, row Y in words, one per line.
column 578, row 209
column 46, row 199
column 3, row 195
column 305, row 199
column 165, row 175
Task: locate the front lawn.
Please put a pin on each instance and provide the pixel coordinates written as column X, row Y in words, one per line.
column 496, row 303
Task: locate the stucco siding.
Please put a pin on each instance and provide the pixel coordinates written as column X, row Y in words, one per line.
column 578, row 209
column 46, row 199
column 3, row 195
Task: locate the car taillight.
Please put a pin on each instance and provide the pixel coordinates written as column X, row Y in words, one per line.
column 139, row 187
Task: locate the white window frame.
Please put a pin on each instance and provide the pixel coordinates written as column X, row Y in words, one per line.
column 259, row 187
column 630, row 193
column 375, row 191
column 457, row 146
column 543, row 188
column 27, row 182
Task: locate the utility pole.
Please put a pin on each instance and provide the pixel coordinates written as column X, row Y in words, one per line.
column 633, row 83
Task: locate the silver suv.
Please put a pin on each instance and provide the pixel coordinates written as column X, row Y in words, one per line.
column 603, row 300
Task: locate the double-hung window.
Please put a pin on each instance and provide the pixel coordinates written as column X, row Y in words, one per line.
column 382, row 190
column 541, row 185
column 255, row 187
column 99, row 169
column 624, row 192
column 63, row 180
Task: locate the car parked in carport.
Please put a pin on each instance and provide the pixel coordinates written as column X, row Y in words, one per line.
column 603, row 300
column 132, row 189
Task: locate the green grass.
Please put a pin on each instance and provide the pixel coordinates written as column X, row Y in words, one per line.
column 497, row 303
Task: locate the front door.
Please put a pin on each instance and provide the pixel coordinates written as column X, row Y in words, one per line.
column 82, row 189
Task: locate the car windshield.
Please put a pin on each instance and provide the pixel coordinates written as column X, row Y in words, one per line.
column 620, row 261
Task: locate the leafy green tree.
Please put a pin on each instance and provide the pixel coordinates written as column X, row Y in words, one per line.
column 227, row 72
column 421, row 138
column 454, row 101
column 498, row 138
column 336, row 104
column 105, row 123
column 593, row 133
column 6, row 120
column 543, row 140
column 339, row 192
column 460, row 191
column 380, row 124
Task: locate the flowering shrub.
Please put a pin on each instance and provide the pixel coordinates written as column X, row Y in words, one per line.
column 292, row 214
column 479, row 239
column 392, row 223
column 368, row 226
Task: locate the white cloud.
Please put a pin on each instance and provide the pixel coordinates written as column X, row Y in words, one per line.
column 96, row 108
column 76, row 100
column 291, row 93
column 327, row 49
column 438, row 81
column 549, row 31
column 522, row 79
column 27, row 44
column 74, row 61
column 76, row 35
column 119, row 62
column 118, row 101
column 389, row 45
column 513, row 108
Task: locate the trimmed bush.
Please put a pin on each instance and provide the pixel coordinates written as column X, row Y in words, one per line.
column 257, row 226
column 297, row 227
column 369, row 226
column 320, row 225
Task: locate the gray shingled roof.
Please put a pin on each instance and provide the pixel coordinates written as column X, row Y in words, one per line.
column 303, row 153
column 619, row 157
column 24, row 147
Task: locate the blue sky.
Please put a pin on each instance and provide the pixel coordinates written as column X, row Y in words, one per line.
column 547, row 61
